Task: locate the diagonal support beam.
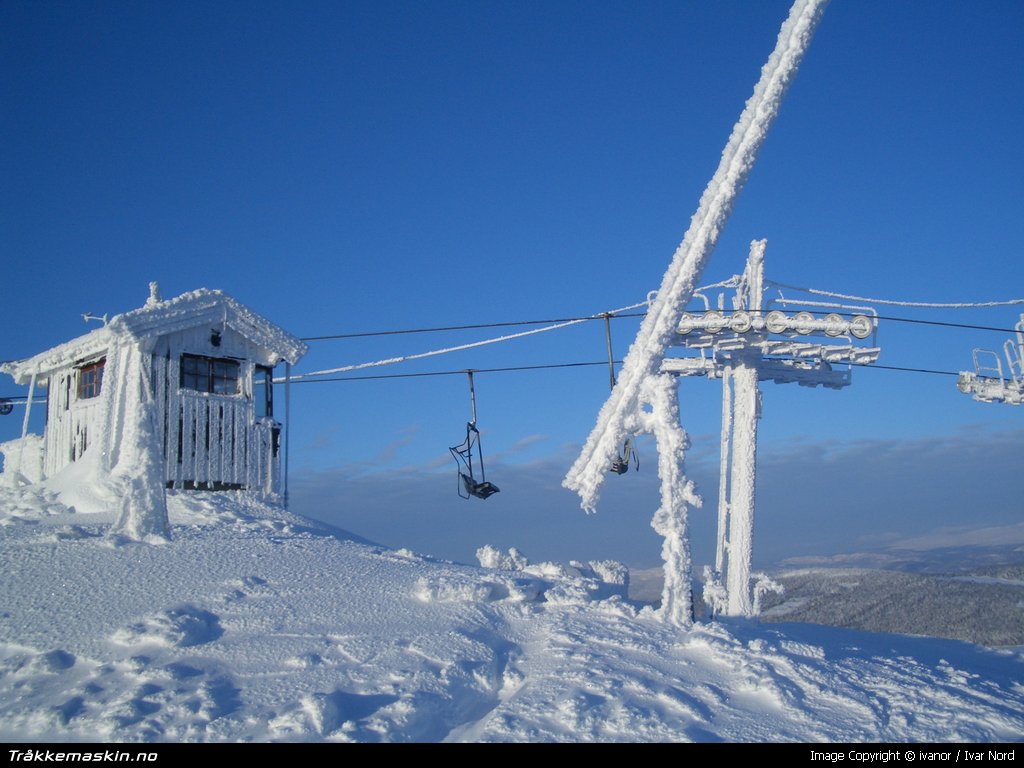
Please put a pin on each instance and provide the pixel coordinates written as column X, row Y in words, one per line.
column 656, row 332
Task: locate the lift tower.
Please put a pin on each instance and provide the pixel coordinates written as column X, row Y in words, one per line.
column 756, row 342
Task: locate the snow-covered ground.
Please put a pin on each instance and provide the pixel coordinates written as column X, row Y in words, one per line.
column 253, row 624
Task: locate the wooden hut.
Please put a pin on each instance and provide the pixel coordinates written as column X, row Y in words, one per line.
column 205, row 364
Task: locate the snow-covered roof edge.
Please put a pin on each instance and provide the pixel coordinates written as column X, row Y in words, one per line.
column 157, row 318
column 89, row 345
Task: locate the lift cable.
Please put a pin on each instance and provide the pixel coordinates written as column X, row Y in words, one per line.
column 942, row 324
column 906, row 369
column 617, row 315
column 614, row 313
column 22, row 400
column 551, row 366
column 897, row 302
column 458, row 348
column 474, row 326
column 460, row 372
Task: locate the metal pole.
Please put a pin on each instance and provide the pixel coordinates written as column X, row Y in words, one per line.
column 24, row 427
column 28, row 407
column 611, row 357
column 1020, row 349
column 741, row 488
column 287, row 424
column 755, row 265
column 723, row 479
column 472, row 397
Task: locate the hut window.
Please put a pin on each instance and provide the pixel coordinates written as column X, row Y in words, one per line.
column 263, row 391
column 90, row 379
column 209, row 374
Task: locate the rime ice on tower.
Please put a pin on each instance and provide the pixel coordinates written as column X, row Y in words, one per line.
column 640, row 380
column 755, row 342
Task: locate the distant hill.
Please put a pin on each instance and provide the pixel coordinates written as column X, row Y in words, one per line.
column 986, row 607
column 981, row 604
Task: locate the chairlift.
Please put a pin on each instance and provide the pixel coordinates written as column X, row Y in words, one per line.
column 620, row 464
column 467, row 484
column 990, row 383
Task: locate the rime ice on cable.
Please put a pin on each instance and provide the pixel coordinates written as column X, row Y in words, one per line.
column 176, row 394
column 989, row 383
column 758, row 341
column 640, row 380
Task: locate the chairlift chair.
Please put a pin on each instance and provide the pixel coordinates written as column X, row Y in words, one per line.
column 620, row 465
column 463, row 455
column 467, row 484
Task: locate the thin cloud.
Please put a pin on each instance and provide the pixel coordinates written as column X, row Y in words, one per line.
column 519, row 447
column 814, row 500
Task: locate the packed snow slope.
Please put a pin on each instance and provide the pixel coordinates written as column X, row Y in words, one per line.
column 252, row 624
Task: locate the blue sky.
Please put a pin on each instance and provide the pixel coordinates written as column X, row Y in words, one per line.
column 353, row 167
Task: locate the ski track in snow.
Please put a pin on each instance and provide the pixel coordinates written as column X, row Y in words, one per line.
column 253, row 624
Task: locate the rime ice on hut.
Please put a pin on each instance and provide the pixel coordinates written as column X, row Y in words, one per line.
column 175, row 394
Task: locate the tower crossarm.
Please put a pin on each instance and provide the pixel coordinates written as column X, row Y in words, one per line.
column 830, row 353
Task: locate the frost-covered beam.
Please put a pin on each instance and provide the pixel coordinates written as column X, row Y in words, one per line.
column 659, row 326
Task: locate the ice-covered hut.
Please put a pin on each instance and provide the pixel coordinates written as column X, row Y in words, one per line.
column 189, row 379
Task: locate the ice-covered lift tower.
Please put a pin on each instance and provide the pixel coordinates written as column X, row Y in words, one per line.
column 760, row 340
column 641, row 382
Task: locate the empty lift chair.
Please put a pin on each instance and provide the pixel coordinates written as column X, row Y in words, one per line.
column 620, row 464
column 468, row 485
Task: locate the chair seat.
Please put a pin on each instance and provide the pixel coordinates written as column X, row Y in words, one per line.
column 480, row 490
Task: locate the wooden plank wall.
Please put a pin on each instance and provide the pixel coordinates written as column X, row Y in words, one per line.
column 212, row 440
